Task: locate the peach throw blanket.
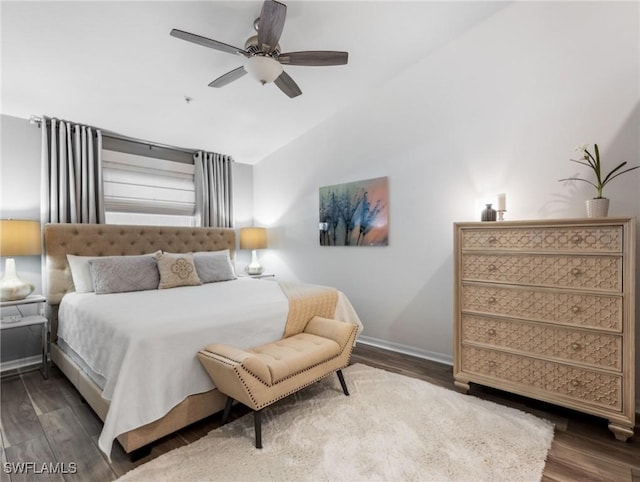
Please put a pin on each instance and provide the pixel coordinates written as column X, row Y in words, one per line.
column 305, row 302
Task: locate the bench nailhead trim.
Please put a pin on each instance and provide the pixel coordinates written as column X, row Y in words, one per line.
column 265, row 404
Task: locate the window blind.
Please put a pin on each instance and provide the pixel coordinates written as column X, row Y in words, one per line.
column 139, row 184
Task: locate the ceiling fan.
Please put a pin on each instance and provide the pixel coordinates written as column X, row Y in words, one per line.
column 263, row 58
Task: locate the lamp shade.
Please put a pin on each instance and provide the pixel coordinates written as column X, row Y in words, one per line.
column 253, row 238
column 20, row 237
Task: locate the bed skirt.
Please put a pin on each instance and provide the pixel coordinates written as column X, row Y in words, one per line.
column 190, row 410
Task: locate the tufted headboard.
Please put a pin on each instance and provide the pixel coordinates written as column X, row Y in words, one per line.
column 118, row 240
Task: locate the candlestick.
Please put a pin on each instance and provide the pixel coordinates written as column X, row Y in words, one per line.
column 502, row 202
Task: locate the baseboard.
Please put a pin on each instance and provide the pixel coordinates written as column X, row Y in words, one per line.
column 20, row 363
column 406, row 350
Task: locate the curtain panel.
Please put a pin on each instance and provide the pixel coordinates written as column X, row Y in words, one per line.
column 214, row 190
column 71, row 187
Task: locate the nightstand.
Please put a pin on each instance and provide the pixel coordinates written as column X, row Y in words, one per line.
column 257, row 276
column 29, row 320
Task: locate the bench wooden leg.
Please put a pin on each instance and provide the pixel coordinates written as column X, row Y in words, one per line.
column 257, row 424
column 342, row 383
column 227, row 410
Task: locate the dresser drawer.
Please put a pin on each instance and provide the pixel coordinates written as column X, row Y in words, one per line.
column 603, row 273
column 595, row 349
column 540, row 377
column 585, row 239
column 586, row 310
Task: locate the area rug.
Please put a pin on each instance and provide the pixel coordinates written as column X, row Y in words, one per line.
column 391, row 428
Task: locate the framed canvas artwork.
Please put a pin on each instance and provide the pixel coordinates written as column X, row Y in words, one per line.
column 355, row 213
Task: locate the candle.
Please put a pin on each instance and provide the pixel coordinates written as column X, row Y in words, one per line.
column 502, row 202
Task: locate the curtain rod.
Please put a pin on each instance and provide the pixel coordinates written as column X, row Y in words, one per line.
column 36, row 120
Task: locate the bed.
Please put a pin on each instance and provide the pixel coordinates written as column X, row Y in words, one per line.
column 132, row 355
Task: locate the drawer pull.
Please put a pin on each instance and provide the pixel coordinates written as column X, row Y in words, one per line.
column 576, row 239
column 492, row 267
column 575, row 309
column 575, row 383
column 492, row 364
column 576, row 271
column 492, row 239
column 575, row 346
column 491, row 332
column 491, row 300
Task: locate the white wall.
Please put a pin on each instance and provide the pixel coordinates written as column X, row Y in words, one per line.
column 499, row 109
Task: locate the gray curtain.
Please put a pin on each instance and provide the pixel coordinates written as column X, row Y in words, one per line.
column 71, row 173
column 214, row 192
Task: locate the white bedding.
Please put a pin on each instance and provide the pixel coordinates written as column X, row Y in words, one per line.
column 144, row 344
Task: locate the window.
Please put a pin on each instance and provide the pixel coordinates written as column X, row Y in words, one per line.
column 147, row 190
column 141, row 219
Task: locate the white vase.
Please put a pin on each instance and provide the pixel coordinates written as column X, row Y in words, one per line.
column 597, row 207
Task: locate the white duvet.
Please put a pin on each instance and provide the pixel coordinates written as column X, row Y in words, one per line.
column 144, row 343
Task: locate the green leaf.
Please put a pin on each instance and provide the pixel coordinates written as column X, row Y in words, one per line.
column 598, row 174
column 577, row 179
column 613, row 171
column 583, row 163
column 594, row 161
column 620, row 174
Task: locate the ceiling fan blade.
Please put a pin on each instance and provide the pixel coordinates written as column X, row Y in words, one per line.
column 271, row 25
column 207, row 42
column 287, row 85
column 314, row 57
column 229, row 77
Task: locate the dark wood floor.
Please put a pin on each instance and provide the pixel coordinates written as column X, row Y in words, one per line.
column 46, row 421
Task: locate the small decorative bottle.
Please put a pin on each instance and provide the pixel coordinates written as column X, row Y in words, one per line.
column 488, row 214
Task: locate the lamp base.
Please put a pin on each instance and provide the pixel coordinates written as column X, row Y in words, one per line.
column 254, row 267
column 13, row 288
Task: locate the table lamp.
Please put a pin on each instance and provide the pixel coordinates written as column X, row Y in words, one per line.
column 253, row 239
column 17, row 238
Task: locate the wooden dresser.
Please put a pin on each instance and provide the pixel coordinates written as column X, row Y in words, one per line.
column 545, row 309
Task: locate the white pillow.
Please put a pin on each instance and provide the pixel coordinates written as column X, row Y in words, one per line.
column 80, row 272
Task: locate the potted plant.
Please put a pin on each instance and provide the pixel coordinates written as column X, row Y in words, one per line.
column 599, row 205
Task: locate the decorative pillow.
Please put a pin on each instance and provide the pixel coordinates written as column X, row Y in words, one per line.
column 177, row 269
column 80, row 273
column 119, row 274
column 214, row 266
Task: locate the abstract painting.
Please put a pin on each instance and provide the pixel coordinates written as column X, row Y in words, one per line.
column 355, row 213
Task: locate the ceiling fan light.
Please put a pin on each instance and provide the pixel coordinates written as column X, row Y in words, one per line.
column 262, row 68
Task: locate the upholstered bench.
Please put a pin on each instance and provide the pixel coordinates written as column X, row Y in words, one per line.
column 260, row 376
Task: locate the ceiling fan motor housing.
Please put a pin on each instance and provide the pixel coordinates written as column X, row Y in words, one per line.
column 251, row 46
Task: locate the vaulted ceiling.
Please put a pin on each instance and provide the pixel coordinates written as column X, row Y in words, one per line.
column 113, row 65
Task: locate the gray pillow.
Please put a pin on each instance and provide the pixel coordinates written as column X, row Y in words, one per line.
column 80, row 273
column 214, row 266
column 124, row 273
